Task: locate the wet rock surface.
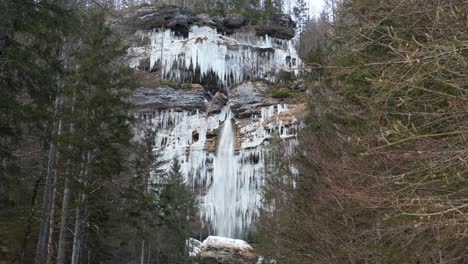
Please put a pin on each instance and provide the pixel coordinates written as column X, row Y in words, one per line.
column 164, row 97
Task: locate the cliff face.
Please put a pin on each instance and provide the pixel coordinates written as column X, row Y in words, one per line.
column 213, row 51
column 219, row 131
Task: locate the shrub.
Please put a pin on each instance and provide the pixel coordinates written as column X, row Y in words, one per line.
column 281, row 93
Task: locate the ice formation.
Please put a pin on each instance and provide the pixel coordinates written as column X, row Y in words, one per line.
column 228, row 178
column 223, row 157
column 221, row 201
column 231, row 59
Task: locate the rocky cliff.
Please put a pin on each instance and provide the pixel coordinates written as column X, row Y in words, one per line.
column 216, row 52
column 219, row 130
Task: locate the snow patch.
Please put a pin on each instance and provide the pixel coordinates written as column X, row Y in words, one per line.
column 224, row 242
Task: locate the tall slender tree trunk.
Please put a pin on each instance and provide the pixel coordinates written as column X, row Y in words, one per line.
column 64, row 218
column 41, row 249
column 66, row 197
column 78, row 231
column 29, row 221
column 80, row 215
column 50, row 243
column 142, row 257
column 149, row 253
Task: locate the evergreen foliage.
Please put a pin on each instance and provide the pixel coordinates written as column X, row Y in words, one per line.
column 300, row 11
column 64, row 90
column 178, row 208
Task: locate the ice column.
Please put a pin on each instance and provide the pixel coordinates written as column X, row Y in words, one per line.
column 221, row 198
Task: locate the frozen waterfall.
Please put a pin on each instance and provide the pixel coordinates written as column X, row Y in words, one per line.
column 223, row 155
column 231, row 59
column 223, row 159
column 221, row 198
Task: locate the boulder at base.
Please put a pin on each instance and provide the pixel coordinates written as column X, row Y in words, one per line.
column 221, row 250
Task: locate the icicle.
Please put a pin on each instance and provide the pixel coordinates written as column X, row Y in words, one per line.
column 231, row 59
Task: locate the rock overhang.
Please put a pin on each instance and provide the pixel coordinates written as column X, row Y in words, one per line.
column 180, row 20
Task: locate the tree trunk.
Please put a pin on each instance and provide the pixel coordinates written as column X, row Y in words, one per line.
column 66, row 198
column 41, row 249
column 29, row 221
column 64, row 218
column 78, row 231
column 142, row 258
column 80, row 216
column 149, row 253
column 50, row 243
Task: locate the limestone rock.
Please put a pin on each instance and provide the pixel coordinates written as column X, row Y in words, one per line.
column 172, row 17
column 204, row 20
column 211, row 140
column 164, row 97
column 275, row 32
column 235, row 21
column 218, row 250
column 218, row 102
column 180, row 20
column 246, row 99
column 283, row 29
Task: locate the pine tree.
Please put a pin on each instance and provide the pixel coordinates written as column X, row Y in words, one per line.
column 300, row 12
column 178, row 207
column 31, row 67
column 100, row 119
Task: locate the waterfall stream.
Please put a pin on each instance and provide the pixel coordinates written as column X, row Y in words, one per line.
column 223, row 193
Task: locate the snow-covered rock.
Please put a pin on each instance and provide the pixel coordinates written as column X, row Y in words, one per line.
column 194, row 247
column 217, row 249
